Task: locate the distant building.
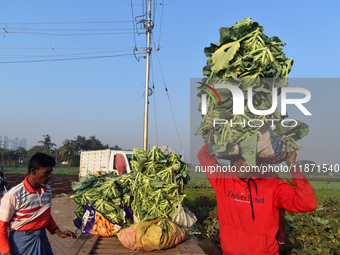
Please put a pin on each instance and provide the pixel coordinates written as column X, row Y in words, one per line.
column 2, row 143
column 23, row 143
column 12, row 144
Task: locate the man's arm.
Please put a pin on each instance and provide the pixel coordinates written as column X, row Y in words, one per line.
column 212, row 168
column 7, row 210
column 299, row 199
column 51, row 225
column 54, row 229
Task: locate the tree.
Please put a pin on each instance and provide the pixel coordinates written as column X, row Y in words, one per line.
column 94, row 144
column 22, row 154
column 68, row 150
column 116, row 147
column 3, row 157
column 35, row 149
column 80, row 144
column 47, row 144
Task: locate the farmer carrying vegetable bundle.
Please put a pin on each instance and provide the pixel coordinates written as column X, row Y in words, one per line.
column 26, row 210
column 249, row 198
column 248, row 203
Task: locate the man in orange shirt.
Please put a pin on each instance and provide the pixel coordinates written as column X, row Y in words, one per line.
column 26, row 210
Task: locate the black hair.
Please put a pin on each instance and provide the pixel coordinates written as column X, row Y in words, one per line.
column 40, row 160
column 235, row 158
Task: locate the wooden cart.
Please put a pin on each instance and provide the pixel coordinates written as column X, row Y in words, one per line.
column 88, row 244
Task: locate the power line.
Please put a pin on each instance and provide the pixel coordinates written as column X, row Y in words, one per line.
column 133, row 25
column 154, row 12
column 167, row 92
column 69, row 29
column 65, row 59
column 154, row 100
column 41, row 33
column 91, row 48
column 66, row 22
column 63, row 55
column 160, row 25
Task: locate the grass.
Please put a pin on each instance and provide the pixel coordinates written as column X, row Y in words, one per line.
column 56, row 170
column 201, row 187
column 194, row 193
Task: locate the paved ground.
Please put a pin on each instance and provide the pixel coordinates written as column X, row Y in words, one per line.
column 62, row 212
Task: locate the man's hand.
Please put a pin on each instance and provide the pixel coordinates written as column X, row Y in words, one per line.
column 290, row 161
column 65, row 234
column 210, row 137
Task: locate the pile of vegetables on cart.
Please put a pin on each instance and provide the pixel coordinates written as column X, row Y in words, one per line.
column 152, row 190
column 245, row 57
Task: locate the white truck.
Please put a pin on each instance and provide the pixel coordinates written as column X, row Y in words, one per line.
column 104, row 161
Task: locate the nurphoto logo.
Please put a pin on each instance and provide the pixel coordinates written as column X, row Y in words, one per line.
column 238, row 99
column 238, row 102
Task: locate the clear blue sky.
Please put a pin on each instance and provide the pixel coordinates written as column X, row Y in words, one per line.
column 104, row 96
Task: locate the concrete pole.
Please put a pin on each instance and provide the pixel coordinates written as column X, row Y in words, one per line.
column 147, row 76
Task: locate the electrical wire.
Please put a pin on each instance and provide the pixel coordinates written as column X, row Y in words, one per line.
column 93, row 48
column 144, row 4
column 167, row 92
column 133, row 25
column 41, row 33
column 154, row 11
column 160, row 25
column 69, row 29
column 65, row 59
column 66, row 22
column 129, row 3
column 60, row 55
column 154, row 99
column 43, row 30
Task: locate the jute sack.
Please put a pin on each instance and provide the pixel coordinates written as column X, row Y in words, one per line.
column 269, row 146
column 157, row 234
column 128, row 238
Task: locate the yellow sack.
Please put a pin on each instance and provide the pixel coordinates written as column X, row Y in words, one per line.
column 152, row 235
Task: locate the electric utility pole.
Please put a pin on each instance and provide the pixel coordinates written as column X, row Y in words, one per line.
column 148, row 27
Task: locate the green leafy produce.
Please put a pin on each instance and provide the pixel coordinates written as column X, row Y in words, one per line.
column 245, row 51
column 108, row 193
column 245, row 57
column 159, row 183
column 150, row 189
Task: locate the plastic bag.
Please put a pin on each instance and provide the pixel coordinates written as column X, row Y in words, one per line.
column 94, row 222
column 184, row 217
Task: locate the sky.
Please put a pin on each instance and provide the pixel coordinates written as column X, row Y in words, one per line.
column 95, row 85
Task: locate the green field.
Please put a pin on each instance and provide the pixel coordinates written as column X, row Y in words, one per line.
column 323, row 189
column 56, row 170
column 201, row 187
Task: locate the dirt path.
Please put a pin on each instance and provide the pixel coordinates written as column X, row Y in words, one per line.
column 60, row 183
